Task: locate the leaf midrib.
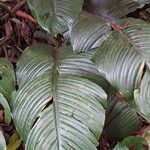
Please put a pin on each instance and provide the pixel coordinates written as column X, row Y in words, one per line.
column 55, row 101
column 137, row 49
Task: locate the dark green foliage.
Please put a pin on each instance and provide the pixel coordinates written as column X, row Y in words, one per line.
column 65, row 89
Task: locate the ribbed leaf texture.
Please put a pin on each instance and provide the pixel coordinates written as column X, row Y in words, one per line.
column 88, row 32
column 132, row 141
column 142, row 101
column 33, row 58
column 122, row 56
column 120, row 146
column 7, row 78
column 37, row 60
column 6, row 108
column 110, row 10
column 55, row 16
column 57, row 109
column 2, row 141
column 121, row 119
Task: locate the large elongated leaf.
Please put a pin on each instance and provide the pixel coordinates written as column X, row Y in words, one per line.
column 6, row 107
column 56, row 16
column 120, row 63
column 111, row 10
column 142, row 100
column 138, row 34
column 37, row 59
column 131, row 141
column 88, row 32
column 121, row 56
column 2, row 141
column 7, row 78
column 137, row 142
column 120, row 117
column 57, row 109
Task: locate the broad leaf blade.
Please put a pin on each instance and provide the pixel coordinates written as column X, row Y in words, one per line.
column 37, row 60
column 89, row 32
column 120, row 117
column 76, row 99
column 121, row 57
column 56, row 16
column 6, row 107
column 110, row 10
column 7, row 78
column 138, row 33
column 133, row 141
column 142, row 101
column 77, row 117
column 2, row 141
column 81, row 65
column 56, row 105
column 120, row 63
column 34, row 61
column 32, row 99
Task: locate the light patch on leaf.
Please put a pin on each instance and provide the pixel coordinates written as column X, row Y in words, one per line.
column 14, row 142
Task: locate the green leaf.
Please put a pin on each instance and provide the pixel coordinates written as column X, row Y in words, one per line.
column 147, row 133
column 7, row 78
column 14, row 142
column 75, row 109
column 110, row 10
column 142, row 100
column 133, row 141
column 6, row 107
column 121, row 119
column 81, row 65
column 119, row 63
column 57, row 109
column 120, row 146
column 56, row 16
column 138, row 34
column 34, row 61
column 121, row 56
column 88, row 32
column 37, row 59
column 2, row 141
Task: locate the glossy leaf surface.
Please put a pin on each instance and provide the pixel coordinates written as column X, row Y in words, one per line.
column 7, row 78
column 55, row 16
column 121, row 119
column 110, row 10
column 88, row 32
column 142, row 96
column 2, row 141
column 6, row 107
column 56, row 108
column 123, row 55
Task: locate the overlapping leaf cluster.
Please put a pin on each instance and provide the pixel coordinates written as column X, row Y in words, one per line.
column 61, row 103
